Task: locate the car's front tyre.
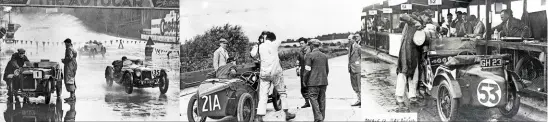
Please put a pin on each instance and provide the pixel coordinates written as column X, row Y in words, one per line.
column 446, row 103
column 128, row 82
column 512, row 106
column 246, row 108
column 163, row 82
column 192, row 110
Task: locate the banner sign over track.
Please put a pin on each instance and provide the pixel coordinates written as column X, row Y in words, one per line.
column 158, row 4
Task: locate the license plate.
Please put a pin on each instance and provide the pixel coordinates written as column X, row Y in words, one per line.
column 28, row 112
column 28, row 94
column 37, row 74
column 491, row 62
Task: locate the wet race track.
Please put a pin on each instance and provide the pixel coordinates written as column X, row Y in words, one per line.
column 378, row 82
column 95, row 101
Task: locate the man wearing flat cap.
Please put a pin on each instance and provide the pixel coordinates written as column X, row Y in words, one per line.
column 16, row 62
column 354, row 66
column 316, row 71
column 220, row 55
column 70, row 70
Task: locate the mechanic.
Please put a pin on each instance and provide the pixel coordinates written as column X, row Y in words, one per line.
column 220, row 55
column 16, row 62
column 512, row 27
column 354, row 66
column 474, row 27
column 70, row 70
column 226, row 71
column 305, row 49
column 317, row 69
column 271, row 74
column 409, row 55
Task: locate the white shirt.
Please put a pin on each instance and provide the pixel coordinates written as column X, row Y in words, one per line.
column 270, row 61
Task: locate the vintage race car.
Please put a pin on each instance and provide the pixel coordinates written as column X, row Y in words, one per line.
column 92, row 49
column 237, row 97
column 455, row 76
column 28, row 112
column 36, row 79
column 137, row 75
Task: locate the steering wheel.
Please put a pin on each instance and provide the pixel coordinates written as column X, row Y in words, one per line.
column 249, row 76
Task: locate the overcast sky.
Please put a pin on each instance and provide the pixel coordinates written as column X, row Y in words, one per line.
column 289, row 19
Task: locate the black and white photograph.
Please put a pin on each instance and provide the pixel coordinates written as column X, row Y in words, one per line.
column 89, row 60
column 270, row 60
column 454, row 60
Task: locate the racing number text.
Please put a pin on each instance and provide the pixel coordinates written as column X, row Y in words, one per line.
column 490, row 93
column 211, row 104
column 37, row 74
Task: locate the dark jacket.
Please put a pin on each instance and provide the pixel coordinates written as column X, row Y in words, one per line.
column 70, row 63
column 301, row 58
column 319, row 68
column 15, row 62
column 514, row 28
column 409, row 52
column 354, row 57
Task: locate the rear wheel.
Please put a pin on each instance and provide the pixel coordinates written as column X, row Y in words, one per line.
column 512, row 106
column 128, row 82
column 192, row 110
column 246, row 108
column 446, row 103
column 163, row 83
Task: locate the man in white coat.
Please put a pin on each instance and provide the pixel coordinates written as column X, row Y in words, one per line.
column 220, row 55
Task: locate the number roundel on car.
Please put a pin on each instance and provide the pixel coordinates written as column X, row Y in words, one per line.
column 488, row 93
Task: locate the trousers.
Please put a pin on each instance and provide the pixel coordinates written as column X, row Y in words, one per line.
column 317, row 101
column 411, row 83
column 355, row 81
column 266, row 84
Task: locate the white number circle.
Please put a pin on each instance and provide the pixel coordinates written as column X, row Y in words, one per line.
column 488, row 93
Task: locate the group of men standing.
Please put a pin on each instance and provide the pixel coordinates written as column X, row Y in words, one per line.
column 313, row 70
column 19, row 59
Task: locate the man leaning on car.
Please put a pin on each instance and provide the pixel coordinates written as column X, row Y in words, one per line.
column 16, row 62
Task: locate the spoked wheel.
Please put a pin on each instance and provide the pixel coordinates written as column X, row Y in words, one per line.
column 192, row 110
column 246, row 108
column 10, row 92
column 529, row 68
column 164, row 82
column 276, row 100
column 512, row 106
column 128, row 82
column 446, row 104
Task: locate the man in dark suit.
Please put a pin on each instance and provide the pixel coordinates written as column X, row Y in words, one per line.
column 305, row 49
column 512, row 27
column 317, row 69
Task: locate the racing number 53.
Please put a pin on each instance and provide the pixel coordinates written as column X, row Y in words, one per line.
column 211, row 103
column 489, row 93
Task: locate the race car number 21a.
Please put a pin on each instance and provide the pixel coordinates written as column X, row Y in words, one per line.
column 211, row 103
column 488, row 93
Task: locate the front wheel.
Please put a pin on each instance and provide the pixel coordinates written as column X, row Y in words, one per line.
column 192, row 110
column 246, row 108
column 512, row 106
column 48, row 92
column 128, row 82
column 58, row 88
column 163, row 83
column 446, row 103
column 276, row 100
column 109, row 75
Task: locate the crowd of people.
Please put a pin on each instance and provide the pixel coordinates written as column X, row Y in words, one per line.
column 313, row 70
column 409, row 64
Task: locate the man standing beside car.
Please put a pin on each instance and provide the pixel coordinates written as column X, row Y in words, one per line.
column 70, row 67
column 317, row 69
column 16, row 62
column 270, row 74
column 220, row 55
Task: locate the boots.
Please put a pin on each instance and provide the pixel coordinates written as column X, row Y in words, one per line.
column 306, row 104
column 289, row 116
column 259, row 118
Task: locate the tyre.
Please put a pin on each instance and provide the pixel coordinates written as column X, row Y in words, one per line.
column 48, row 92
column 447, row 105
column 192, row 110
column 512, row 106
column 109, row 72
column 128, row 82
column 163, row 82
column 276, row 100
column 11, row 92
column 245, row 111
column 529, row 68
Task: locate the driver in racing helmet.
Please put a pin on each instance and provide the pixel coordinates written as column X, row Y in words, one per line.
column 227, row 70
column 126, row 62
